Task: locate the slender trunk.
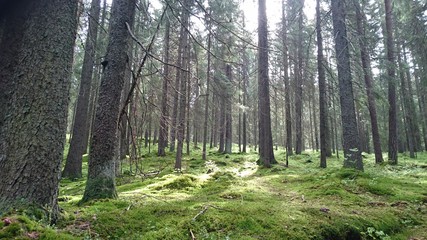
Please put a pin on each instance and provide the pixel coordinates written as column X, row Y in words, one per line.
column 288, row 121
column 228, row 115
column 391, row 66
column 323, row 99
column 367, row 73
column 73, row 165
column 164, row 116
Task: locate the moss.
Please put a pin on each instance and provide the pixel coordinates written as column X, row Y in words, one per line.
column 182, row 182
column 99, row 188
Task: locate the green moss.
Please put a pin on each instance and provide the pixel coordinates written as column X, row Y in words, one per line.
column 99, row 188
column 182, row 182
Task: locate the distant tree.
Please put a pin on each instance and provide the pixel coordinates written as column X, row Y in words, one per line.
column 36, row 50
column 73, row 165
column 352, row 153
column 265, row 138
column 228, row 116
column 103, row 147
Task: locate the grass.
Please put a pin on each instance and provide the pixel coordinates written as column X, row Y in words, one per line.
column 230, row 197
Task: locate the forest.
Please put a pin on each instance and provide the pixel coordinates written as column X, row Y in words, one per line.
column 213, row 119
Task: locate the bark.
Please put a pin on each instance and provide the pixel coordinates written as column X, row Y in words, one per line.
column 367, row 73
column 352, row 154
column 391, row 66
column 101, row 173
column 265, row 138
column 78, row 144
column 36, row 57
column 163, row 136
column 228, row 117
column 323, row 99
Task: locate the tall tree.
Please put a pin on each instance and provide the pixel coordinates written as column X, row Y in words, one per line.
column 264, row 126
column 351, row 146
column 288, row 120
column 391, row 66
column 101, row 173
column 228, row 116
column 184, row 77
column 163, row 136
column 367, row 73
column 206, row 117
column 299, row 80
column 323, row 102
column 36, row 52
column 73, row 165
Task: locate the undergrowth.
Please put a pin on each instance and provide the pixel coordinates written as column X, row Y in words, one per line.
column 230, row 197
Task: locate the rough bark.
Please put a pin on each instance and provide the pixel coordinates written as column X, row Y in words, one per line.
column 73, row 165
column 367, row 74
column 352, row 154
column 37, row 67
column 264, row 127
column 101, row 173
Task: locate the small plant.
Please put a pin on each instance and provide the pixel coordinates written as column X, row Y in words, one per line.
column 374, row 234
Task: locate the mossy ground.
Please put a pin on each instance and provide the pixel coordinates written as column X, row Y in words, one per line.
column 230, row 197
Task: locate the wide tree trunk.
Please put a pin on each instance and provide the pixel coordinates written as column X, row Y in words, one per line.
column 36, row 57
column 264, row 127
column 73, row 165
column 101, row 174
column 352, row 154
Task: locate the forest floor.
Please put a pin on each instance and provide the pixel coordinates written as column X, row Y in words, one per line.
column 230, row 197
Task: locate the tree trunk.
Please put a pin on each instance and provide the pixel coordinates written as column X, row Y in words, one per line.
column 36, row 57
column 101, row 173
column 367, row 73
column 299, row 82
column 323, row 99
column 288, row 120
column 163, row 136
column 228, row 115
column 391, row 66
column 73, row 165
column 184, row 77
column 352, row 154
column 265, row 138
column 208, row 93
